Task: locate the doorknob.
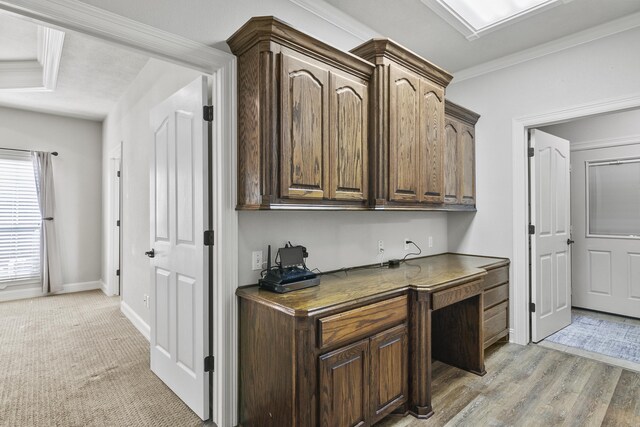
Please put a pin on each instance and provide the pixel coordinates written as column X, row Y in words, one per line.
column 151, row 253
column 570, row 242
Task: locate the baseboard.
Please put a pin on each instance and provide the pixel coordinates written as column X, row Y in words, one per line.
column 79, row 287
column 136, row 320
column 104, row 289
column 10, row 295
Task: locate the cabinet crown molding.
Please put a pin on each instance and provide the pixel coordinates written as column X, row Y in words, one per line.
column 377, row 49
column 271, row 29
column 454, row 110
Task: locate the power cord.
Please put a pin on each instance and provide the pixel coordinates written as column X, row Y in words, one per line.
column 412, row 253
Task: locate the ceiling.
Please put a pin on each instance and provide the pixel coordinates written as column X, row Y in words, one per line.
column 92, row 74
column 413, row 24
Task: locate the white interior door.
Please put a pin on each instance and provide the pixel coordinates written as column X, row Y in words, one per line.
column 115, row 226
column 550, row 248
column 605, row 197
column 179, row 266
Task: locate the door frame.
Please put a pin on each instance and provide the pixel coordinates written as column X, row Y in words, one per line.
column 115, row 156
column 129, row 34
column 520, row 289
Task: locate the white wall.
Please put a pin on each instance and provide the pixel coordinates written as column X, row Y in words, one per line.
column 128, row 123
column 593, row 72
column 77, row 181
column 338, row 239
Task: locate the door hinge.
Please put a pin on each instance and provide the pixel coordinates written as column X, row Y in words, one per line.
column 207, row 113
column 118, row 174
column 118, row 223
column 532, row 229
column 532, row 307
column 118, row 272
column 532, row 151
column 209, row 364
column 209, row 238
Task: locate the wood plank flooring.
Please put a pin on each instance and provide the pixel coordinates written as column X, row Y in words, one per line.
column 532, row 386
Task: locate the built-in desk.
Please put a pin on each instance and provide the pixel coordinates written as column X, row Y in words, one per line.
column 360, row 345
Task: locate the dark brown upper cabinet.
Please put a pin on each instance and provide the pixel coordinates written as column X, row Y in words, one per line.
column 406, row 127
column 302, row 120
column 460, row 157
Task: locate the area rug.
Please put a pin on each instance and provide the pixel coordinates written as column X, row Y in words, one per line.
column 620, row 340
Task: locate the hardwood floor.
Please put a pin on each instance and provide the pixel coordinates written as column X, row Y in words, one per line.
column 532, row 386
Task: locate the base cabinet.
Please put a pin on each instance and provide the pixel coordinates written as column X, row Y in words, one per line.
column 363, row 382
column 344, row 386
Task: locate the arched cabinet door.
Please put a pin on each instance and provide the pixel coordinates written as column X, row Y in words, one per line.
column 431, row 142
column 304, row 149
column 404, row 136
column 348, row 139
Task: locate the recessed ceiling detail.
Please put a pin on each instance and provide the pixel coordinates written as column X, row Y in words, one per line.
column 39, row 74
column 474, row 18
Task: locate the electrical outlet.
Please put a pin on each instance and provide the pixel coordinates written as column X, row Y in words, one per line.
column 256, row 260
column 430, row 241
column 406, row 244
column 380, row 247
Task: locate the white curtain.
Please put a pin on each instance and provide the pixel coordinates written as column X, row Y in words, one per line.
column 49, row 251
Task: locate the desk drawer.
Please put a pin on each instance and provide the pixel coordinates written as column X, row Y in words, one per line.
column 455, row 294
column 496, row 277
column 495, row 295
column 496, row 322
column 361, row 322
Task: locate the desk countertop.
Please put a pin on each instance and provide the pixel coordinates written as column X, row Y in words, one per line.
column 429, row 274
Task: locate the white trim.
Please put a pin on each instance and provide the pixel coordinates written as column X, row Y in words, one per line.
column 50, row 43
column 67, row 288
column 225, row 252
column 40, row 74
column 103, row 288
column 87, row 19
column 519, row 298
column 135, row 320
column 604, row 30
column 605, row 143
column 337, row 18
column 20, row 76
column 16, row 294
column 79, row 287
column 112, row 263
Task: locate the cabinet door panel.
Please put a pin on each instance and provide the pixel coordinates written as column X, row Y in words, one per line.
column 451, row 163
column 304, row 151
column 348, row 139
column 389, row 371
column 403, row 136
column 344, row 386
column 431, row 142
column 468, row 165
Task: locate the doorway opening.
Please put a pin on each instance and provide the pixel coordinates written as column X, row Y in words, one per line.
column 603, row 242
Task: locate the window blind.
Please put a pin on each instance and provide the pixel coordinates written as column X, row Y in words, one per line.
column 20, row 220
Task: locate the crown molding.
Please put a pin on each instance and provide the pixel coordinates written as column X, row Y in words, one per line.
column 586, row 36
column 20, row 76
column 87, row 19
column 605, row 143
column 37, row 75
column 50, row 43
column 337, row 18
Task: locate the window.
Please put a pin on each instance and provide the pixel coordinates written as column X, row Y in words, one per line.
column 474, row 17
column 613, row 198
column 19, row 220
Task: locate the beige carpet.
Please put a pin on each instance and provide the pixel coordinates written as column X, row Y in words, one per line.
column 75, row 360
